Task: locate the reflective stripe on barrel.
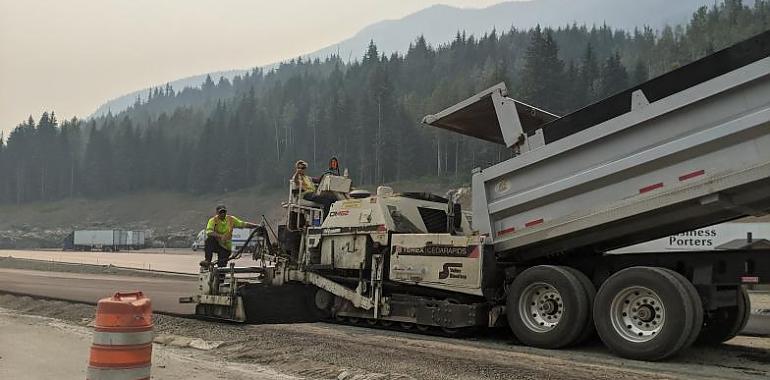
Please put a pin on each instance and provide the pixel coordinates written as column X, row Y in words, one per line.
column 115, row 338
column 120, row 356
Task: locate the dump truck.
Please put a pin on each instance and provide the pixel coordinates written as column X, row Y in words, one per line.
column 686, row 150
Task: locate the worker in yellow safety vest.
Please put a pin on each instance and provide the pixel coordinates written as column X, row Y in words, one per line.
column 305, row 187
column 302, row 182
column 219, row 235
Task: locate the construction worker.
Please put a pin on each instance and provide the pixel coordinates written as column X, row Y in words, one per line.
column 334, row 167
column 305, row 187
column 219, row 235
column 302, row 182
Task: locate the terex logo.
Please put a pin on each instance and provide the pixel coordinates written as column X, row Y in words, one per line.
column 451, row 270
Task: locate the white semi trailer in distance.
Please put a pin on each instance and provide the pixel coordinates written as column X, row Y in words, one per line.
column 104, row 240
column 240, row 235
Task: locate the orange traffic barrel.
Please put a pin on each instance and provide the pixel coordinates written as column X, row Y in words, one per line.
column 122, row 346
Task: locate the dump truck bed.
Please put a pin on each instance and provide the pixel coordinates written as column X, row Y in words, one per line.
column 682, row 151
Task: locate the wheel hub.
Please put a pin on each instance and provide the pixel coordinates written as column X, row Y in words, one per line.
column 541, row 307
column 646, row 313
column 637, row 314
column 550, row 307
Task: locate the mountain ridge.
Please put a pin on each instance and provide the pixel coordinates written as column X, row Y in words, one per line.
column 439, row 23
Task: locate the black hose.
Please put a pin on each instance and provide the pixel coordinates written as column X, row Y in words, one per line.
column 243, row 247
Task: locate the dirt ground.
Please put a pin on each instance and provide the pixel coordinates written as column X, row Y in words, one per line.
column 329, row 351
column 760, row 300
column 34, row 347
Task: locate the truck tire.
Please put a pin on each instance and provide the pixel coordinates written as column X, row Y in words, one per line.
column 544, row 305
column 697, row 305
column 644, row 313
column 745, row 311
column 726, row 322
column 590, row 292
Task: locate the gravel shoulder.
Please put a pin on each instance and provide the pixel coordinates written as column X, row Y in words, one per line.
column 36, row 347
column 328, row 351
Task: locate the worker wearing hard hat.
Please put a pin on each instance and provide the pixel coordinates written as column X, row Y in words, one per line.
column 219, row 235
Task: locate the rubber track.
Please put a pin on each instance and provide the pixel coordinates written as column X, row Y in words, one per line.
column 294, row 304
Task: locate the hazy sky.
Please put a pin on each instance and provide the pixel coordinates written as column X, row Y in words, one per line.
column 73, row 55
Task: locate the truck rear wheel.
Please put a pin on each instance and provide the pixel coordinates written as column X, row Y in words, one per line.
column 645, row 313
column 590, row 292
column 544, row 305
column 697, row 305
column 727, row 322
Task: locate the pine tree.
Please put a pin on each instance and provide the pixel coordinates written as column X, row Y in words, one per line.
column 614, row 77
column 70, row 143
column 4, row 185
column 98, row 163
column 542, row 77
column 640, row 74
column 125, row 166
column 247, row 131
column 589, row 75
column 208, row 84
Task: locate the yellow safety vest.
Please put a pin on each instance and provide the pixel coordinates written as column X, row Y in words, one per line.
column 224, row 227
column 306, row 184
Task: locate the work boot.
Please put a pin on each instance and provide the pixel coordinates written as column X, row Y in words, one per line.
column 205, row 265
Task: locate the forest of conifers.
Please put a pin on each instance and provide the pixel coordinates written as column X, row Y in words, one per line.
column 228, row 135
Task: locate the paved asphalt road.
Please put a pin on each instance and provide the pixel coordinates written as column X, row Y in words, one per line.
column 163, row 292
column 174, row 260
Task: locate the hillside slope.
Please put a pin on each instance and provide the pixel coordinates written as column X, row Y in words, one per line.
column 171, row 218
